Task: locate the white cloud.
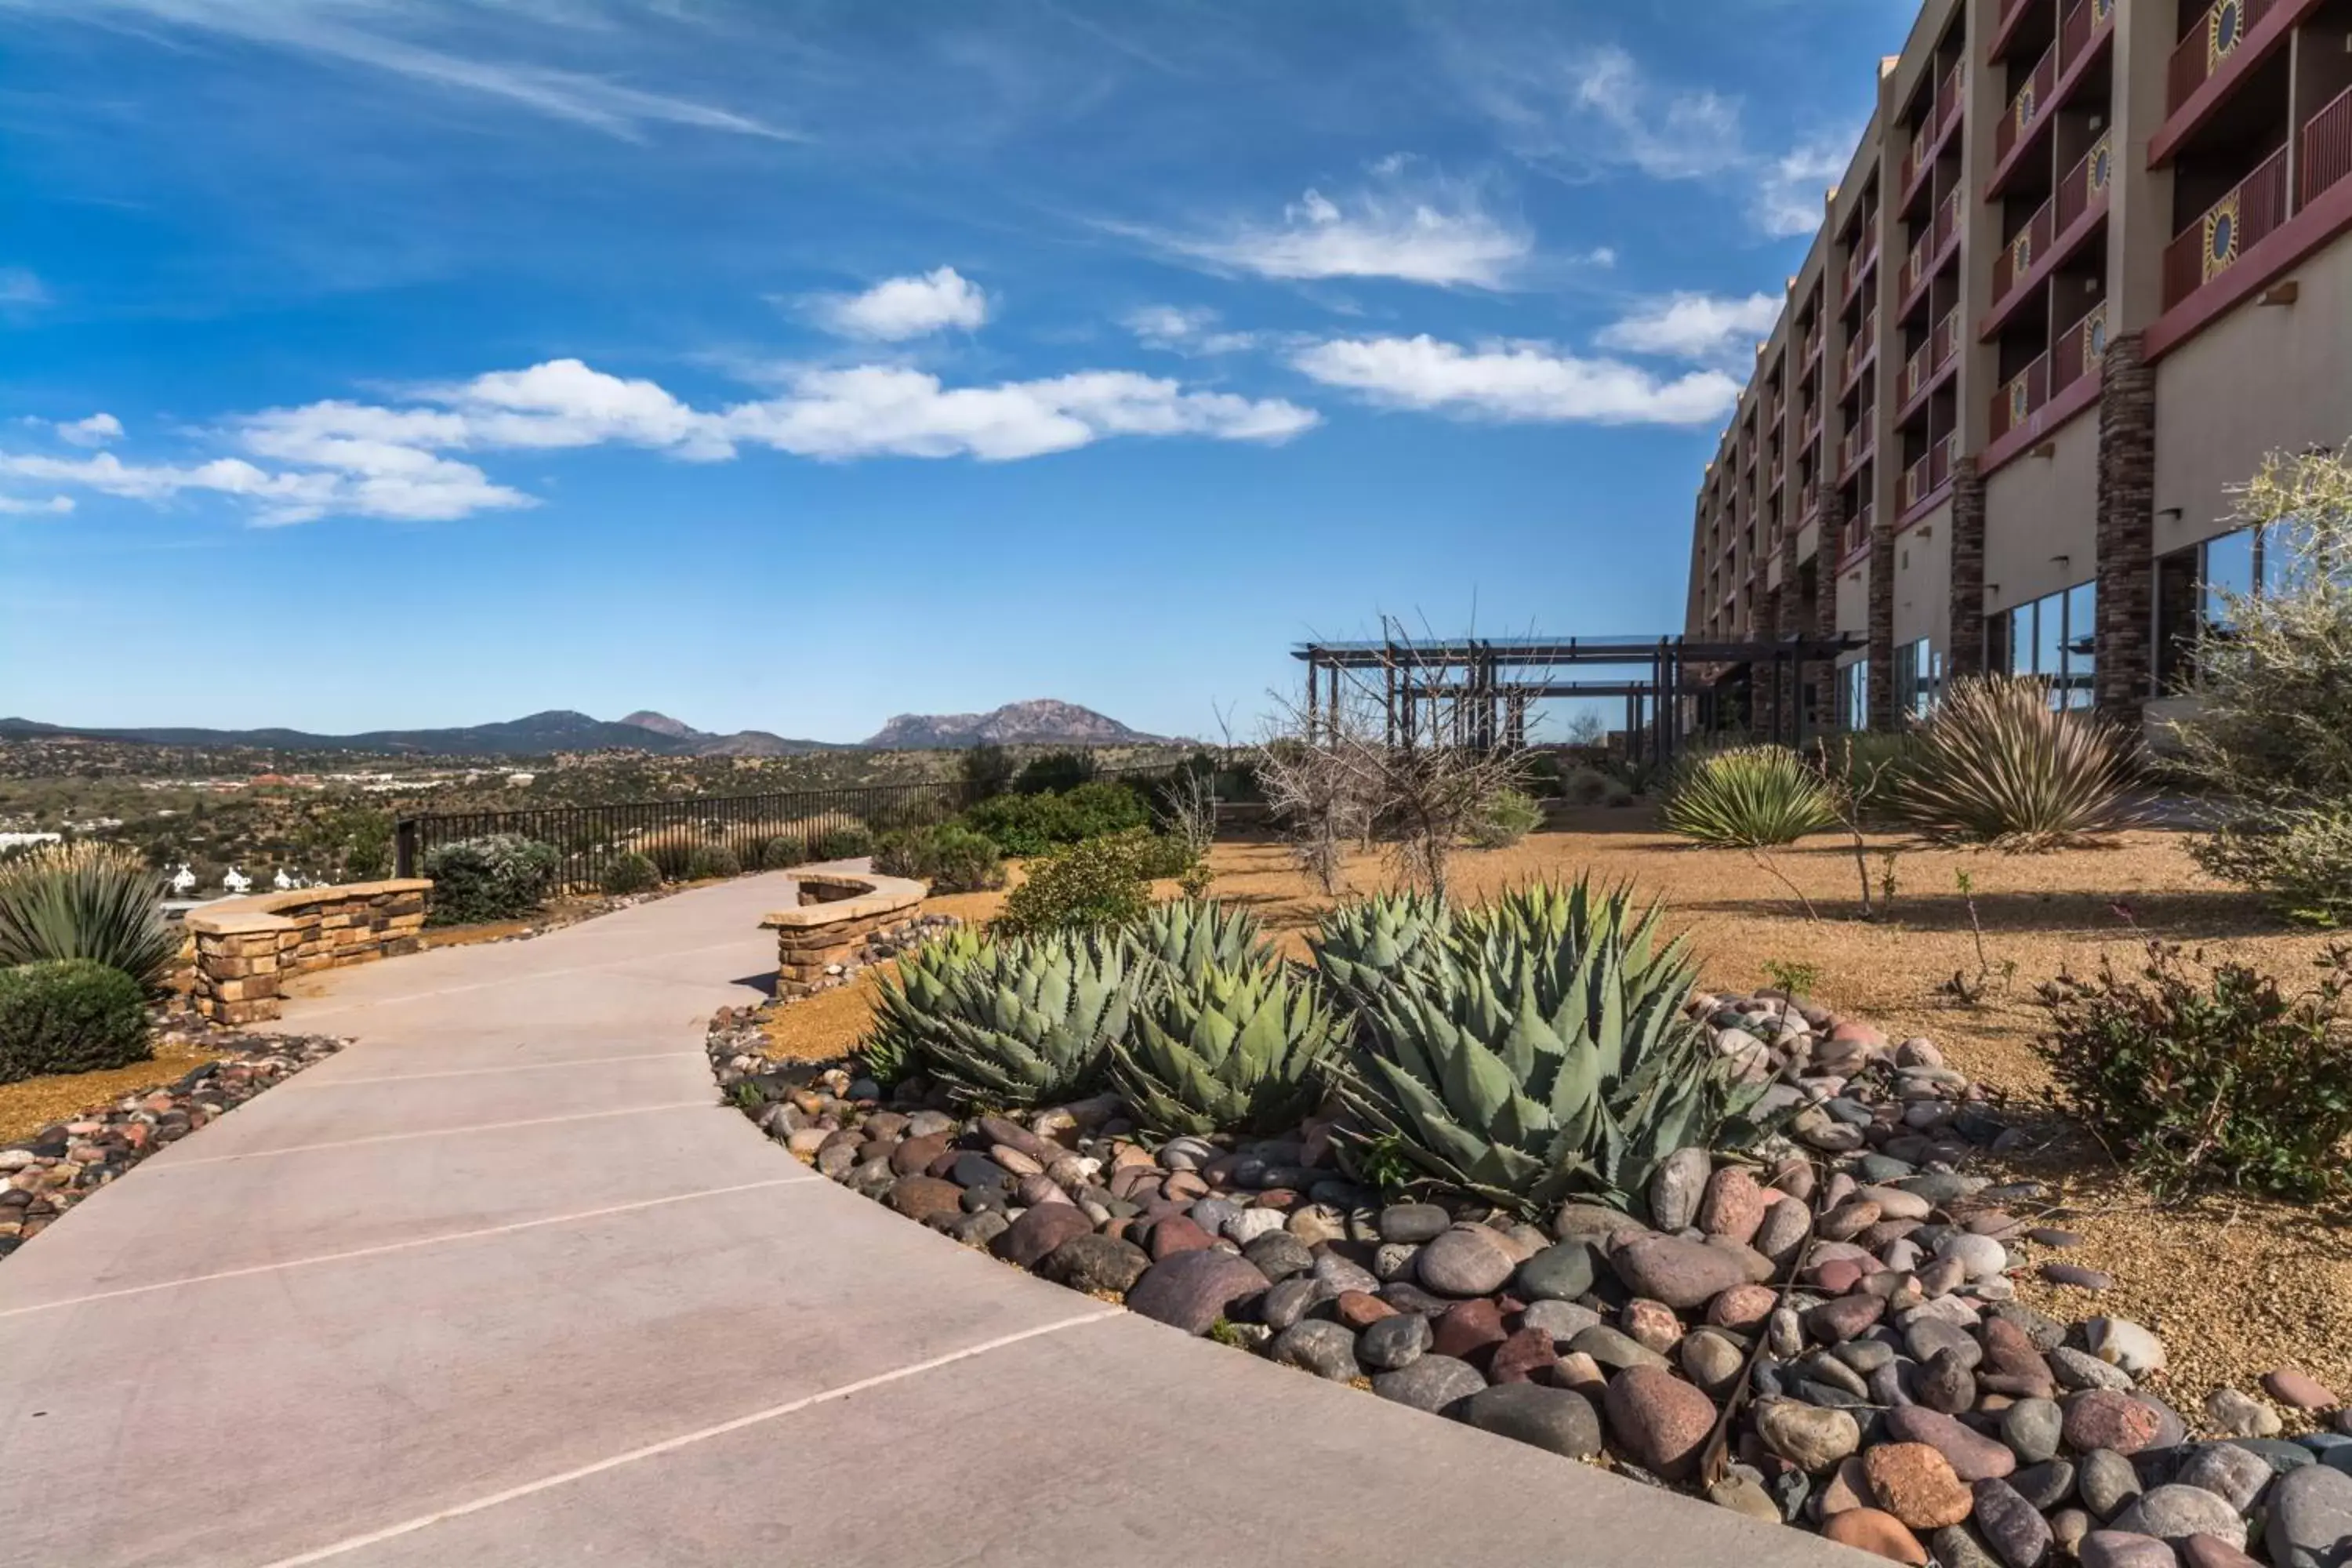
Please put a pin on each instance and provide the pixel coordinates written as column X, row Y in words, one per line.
column 19, row 506
column 1181, row 330
column 21, row 289
column 1791, row 189
column 1400, row 224
column 1667, row 134
column 385, row 481
column 1706, row 329
column 95, row 431
column 902, row 308
column 1514, row 380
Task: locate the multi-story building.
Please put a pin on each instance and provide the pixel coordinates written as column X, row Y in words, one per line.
column 2092, row 260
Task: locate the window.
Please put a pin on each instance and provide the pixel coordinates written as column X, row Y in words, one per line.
column 2056, row 637
column 2192, row 590
column 1918, row 678
column 1853, row 696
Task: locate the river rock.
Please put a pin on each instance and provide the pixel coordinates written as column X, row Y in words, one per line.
column 1676, row 1187
column 1733, row 1206
column 2110, row 1418
column 1394, row 1342
column 2173, row 1513
column 2239, row 1415
column 1429, row 1383
column 2237, row 1476
column 2120, row 1342
column 1660, row 1420
column 1558, row 1273
column 1810, row 1436
column 1916, row 1484
column 1193, row 1290
column 1551, row 1419
column 1878, row 1532
column 1972, row 1456
column 1318, row 1345
column 1095, row 1264
column 1465, row 1262
column 2310, row 1519
column 2118, row 1549
column 1039, row 1231
column 2014, row 1529
column 2106, row 1482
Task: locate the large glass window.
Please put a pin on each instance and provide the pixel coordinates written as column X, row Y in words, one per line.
column 2056, row 637
column 2194, row 588
column 1853, row 696
column 1918, row 678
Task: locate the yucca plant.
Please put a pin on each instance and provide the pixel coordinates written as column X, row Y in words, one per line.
column 1228, row 1048
column 1997, row 764
column 88, row 899
column 1193, row 935
column 1748, row 797
column 1538, row 1059
column 1025, row 1021
column 1362, row 941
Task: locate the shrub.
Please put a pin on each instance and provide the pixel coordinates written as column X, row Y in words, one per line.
column 670, row 848
column 2302, row 858
column 845, row 843
column 1055, row 773
column 1868, row 766
column 1227, row 1049
column 502, row 876
column 1098, row 884
column 1996, row 764
column 775, row 851
column 1591, row 786
column 712, row 860
column 630, row 872
column 1748, row 797
column 86, row 900
column 2218, row 1075
column 950, row 857
column 1018, row 1023
column 986, row 771
column 1035, row 823
column 70, row 1014
column 1508, row 817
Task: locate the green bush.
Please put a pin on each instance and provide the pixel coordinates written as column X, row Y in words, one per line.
column 2209, row 1073
column 502, row 876
column 630, row 872
column 1748, row 797
column 950, row 857
column 86, row 900
column 776, row 852
column 986, row 771
column 1006, row 1022
column 1035, row 823
column 1871, row 767
column 842, row 843
column 1996, row 764
column 70, row 1014
column 712, row 860
column 670, row 848
column 2300, row 856
column 1509, row 816
column 1055, row 773
column 1591, row 786
column 1096, row 885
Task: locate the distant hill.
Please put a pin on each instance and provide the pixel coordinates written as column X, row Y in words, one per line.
column 1042, row 722
column 557, row 730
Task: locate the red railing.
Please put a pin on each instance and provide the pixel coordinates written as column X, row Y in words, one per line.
column 1858, row 349
column 2078, row 348
column 1809, row 429
column 1854, row 447
column 1859, row 262
column 2018, row 401
column 2030, row 103
column 2086, row 184
column 2224, row 232
column 2210, row 42
column 1925, row 477
column 1930, row 357
column 1812, row 345
column 1772, row 477
column 2327, row 147
column 1919, row 267
column 2080, row 28
column 1857, row 530
column 2010, row 8
column 2028, row 244
column 1808, row 501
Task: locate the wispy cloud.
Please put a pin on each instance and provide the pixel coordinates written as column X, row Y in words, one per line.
column 1706, row 329
column 1514, row 382
column 1791, row 189
column 1402, row 223
column 96, row 430
column 599, row 102
column 901, row 308
column 21, row 289
column 1186, row 330
column 19, row 506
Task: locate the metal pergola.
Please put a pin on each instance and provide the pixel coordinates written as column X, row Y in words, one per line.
column 1476, row 691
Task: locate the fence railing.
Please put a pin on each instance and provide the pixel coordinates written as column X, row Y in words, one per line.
column 2208, row 47
column 2327, row 147
column 2211, row 244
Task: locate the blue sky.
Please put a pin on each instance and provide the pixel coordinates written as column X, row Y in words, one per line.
column 783, row 365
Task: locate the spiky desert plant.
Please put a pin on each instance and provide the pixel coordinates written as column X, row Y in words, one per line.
column 906, row 1002
column 1228, row 1048
column 1544, row 914
column 1362, row 941
column 1748, row 797
column 1192, row 935
column 88, row 899
column 1025, row 1021
column 1530, row 1064
column 1997, row 764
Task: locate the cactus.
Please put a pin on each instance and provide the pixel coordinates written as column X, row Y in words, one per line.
column 1228, row 1048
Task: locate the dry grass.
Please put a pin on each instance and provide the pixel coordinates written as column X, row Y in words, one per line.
column 2236, row 1285
column 30, row 1104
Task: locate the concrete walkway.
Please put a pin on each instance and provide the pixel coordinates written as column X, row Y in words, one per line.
column 503, row 1284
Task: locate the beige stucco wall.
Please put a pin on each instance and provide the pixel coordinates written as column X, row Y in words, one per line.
column 1853, row 601
column 1923, row 579
column 2263, row 378
column 2040, row 508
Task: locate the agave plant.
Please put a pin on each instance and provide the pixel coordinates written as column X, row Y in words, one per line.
column 1228, row 1048
column 1191, row 936
column 904, row 1003
column 86, row 900
column 1364, row 942
column 1538, row 1059
column 1542, row 915
column 1997, row 764
column 1021, row 1022
column 1749, row 797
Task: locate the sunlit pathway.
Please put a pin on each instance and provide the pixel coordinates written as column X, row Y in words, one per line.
column 504, row 1284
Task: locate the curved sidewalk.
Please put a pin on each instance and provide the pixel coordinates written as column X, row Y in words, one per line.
column 504, row 1284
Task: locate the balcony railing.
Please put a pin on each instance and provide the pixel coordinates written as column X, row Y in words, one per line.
column 1858, row 349
column 2022, row 398
column 1854, row 447
column 1808, row 430
column 1917, row 268
column 1930, row 357
column 2032, row 100
column 2084, row 186
column 1859, row 262
column 2327, row 147
column 1925, row 477
column 2078, row 349
column 1857, row 530
column 2017, row 257
column 2210, row 43
column 1808, row 501
column 2080, row 28
column 1812, row 345
column 2227, row 230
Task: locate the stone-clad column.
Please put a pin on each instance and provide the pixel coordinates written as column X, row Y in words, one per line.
column 1965, row 656
column 1826, row 554
column 1881, row 619
column 2127, row 527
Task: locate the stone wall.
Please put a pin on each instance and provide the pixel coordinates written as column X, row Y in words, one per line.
column 837, row 912
column 2126, row 523
column 246, row 949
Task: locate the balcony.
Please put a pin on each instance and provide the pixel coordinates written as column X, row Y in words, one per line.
column 1928, row 249
column 2210, row 43
column 1854, row 448
column 1772, row 477
column 1929, row 359
column 1943, row 113
column 2016, row 258
column 2327, row 147
column 1858, row 352
column 1923, row 478
column 2022, row 398
column 2079, row 349
column 2080, row 31
column 2227, row 230
column 1858, row 265
column 1813, row 347
column 2086, row 184
column 1857, row 532
column 2032, row 100
column 1809, row 433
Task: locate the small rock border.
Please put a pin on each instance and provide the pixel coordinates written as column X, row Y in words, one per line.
column 1840, row 1308
column 44, row 1175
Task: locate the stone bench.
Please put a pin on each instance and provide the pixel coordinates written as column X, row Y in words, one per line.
column 838, row 911
column 246, row 948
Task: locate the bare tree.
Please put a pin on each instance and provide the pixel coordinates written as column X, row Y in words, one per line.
column 1320, row 777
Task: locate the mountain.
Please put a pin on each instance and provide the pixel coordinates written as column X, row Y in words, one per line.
column 557, row 729
column 663, row 724
column 1042, row 722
